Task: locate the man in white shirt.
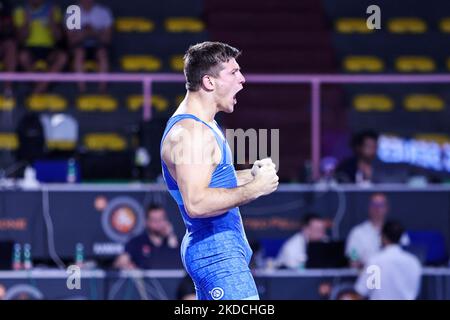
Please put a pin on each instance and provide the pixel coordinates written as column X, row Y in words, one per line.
column 391, row 274
column 364, row 240
column 293, row 252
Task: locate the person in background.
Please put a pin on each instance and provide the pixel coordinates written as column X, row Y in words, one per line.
column 361, row 166
column 7, row 43
column 392, row 273
column 293, row 252
column 93, row 40
column 364, row 240
column 156, row 248
column 40, row 36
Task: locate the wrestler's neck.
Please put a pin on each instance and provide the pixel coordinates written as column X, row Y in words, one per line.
column 200, row 104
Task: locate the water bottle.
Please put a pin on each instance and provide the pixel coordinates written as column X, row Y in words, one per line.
column 27, row 262
column 79, row 254
column 302, row 262
column 71, row 171
column 17, row 257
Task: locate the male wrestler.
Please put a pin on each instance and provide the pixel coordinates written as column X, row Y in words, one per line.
column 199, row 173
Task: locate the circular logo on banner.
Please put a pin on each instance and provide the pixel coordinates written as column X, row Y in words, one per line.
column 122, row 219
column 217, row 293
column 23, row 292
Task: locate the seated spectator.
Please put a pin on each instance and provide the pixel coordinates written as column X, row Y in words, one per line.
column 293, row 252
column 399, row 273
column 364, row 240
column 342, row 291
column 348, row 295
column 40, row 37
column 156, row 248
column 361, row 166
column 7, row 43
column 93, row 40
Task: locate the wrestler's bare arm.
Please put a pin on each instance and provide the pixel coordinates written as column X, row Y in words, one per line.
column 189, row 153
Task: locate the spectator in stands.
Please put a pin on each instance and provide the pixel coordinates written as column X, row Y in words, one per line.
column 93, row 40
column 156, row 248
column 361, row 167
column 7, row 42
column 293, row 253
column 341, row 291
column 364, row 240
column 40, row 37
column 397, row 273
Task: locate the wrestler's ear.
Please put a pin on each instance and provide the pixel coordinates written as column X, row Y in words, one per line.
column 208, row 82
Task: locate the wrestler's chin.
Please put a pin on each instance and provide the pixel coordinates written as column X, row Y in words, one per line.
column 227, row 108
column 230, row 108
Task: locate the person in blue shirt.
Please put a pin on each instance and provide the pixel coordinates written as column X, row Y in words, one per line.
column 198, row 170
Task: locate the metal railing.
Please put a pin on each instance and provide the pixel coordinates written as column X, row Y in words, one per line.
column 315, row 80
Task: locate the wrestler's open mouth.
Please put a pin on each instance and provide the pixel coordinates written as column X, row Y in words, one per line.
column 235, row 96
column 234, row 99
